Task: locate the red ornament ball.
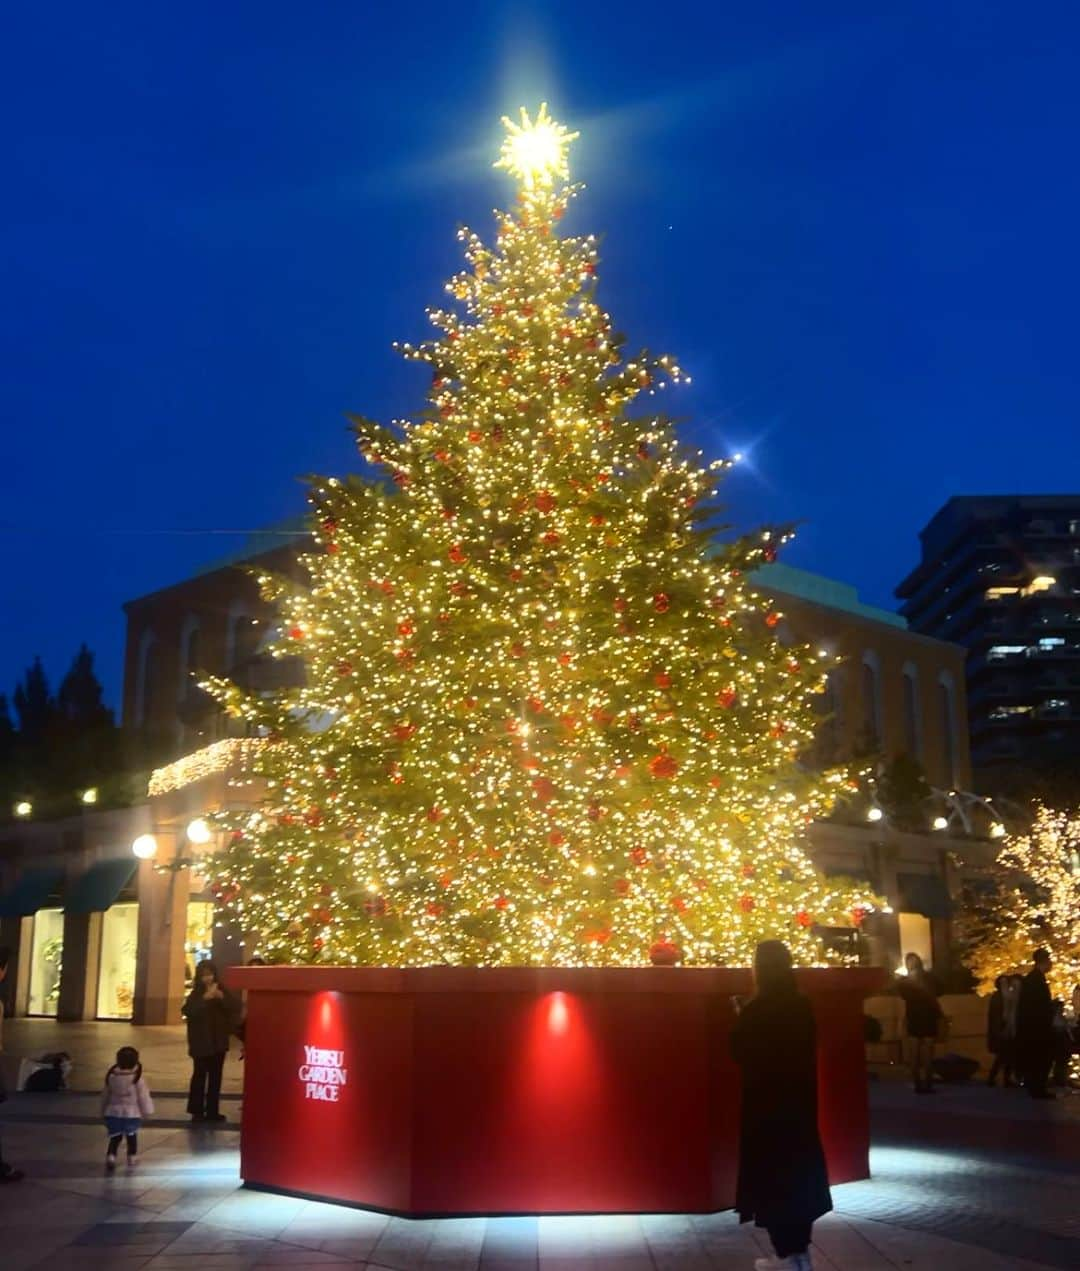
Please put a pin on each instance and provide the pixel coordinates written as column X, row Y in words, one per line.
column 663, row 766
column 804, row 919
column 661, row 602
column 747, row 904
column 664, row 952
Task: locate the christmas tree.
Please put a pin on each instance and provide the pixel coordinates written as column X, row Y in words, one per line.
column 546, row 719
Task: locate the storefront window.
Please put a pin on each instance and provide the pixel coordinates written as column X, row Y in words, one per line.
column 116, row 976
column 199, row 941
column 916, row 937
column 47, row 949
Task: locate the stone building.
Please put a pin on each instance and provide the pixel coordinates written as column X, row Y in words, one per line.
column 100, row 933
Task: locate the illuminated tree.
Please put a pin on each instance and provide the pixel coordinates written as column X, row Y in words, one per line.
column 546, row 719
column 1034, row 900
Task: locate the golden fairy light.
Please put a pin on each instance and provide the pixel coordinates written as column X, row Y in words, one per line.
column 544, row 719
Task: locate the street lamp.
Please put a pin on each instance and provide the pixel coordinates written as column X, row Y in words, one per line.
column 199, row 831
column 23, row 808
column 145, row 847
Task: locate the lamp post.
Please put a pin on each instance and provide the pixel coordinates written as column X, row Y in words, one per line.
column 198, row 833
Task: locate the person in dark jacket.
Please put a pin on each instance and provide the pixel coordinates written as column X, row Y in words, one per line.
column 782, row 1183
column 212, row 1015
column 1035, row 1027
column 1001, row 1029
column 922, row 1020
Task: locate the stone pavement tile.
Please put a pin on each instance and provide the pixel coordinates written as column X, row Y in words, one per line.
column 92, row 1260
column 31, row 1246
column 675, row 1244
column 264, row 1213
column 403, row 1244
column 456, row 1245
column 202, row 1262
column 920, row 1251
column 131, row 1237
column 618, row 1236
column 346, row 1232
column 839, row 1244
column 727, row 1241
column 510, row 1244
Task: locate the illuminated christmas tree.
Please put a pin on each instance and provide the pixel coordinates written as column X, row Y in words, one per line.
column 1034, row 901
column 546, row 719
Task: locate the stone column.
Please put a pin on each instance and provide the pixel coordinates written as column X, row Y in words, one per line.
column 159, row 972
column 79, row 972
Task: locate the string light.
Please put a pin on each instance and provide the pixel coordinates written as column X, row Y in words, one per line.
column 543, row 720
column 1033, row 900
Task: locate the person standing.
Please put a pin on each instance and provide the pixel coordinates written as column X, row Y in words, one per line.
column 782, row 1183
column 212, row 1014
column 8, row 1173
column 1035, row 1027
column 922, row 1020
column 1001, row 1029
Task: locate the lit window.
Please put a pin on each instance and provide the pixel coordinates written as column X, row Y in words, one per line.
column 1006, row 712
column 1042, row 583
column 996, row 593
column 999, row 651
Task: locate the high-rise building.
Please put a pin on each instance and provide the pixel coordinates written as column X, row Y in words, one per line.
column 1000, row 574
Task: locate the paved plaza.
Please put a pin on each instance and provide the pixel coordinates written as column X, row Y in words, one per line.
column 971, row 1180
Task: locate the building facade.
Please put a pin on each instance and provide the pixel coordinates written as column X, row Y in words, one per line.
column 1000, row 575
column 101, row 934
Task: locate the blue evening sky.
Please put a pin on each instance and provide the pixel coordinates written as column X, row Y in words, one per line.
column 855, row 224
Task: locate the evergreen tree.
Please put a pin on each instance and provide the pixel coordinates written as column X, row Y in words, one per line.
column 546, row 718
column 80, row 700
column 34, row 705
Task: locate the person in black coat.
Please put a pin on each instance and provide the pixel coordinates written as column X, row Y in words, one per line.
column 782, row 1183
column 922, row 1020
column 1035, row 1028
column 212, row 1014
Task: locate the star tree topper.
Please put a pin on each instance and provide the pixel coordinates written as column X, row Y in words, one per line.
column 535, row 150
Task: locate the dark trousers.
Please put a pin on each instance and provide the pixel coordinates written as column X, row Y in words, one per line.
column 205, row 1089
column 790, row 1238
column 132, row 1144
column 1003, row 1065
column 1037, row 1060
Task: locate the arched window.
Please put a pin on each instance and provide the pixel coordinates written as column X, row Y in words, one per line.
column 947, row 703
column 241, row 635
column 145, row 675
column 189, row 656
column 871, row 699
column 913, row 731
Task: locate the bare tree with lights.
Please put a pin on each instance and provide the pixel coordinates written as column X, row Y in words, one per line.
column 1033, row 900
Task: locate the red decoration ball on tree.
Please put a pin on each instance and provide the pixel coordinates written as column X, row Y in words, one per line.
column 747, row 904
column 804, row 919
column 663, row 766
column 664, row 952
column 661, row 602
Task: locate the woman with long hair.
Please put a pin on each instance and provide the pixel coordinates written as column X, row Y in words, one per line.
column 213, row 1015
column 782, row 1183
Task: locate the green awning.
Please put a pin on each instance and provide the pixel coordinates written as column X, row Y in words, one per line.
column 32, row 889
column 97, row 889
column 924, row 894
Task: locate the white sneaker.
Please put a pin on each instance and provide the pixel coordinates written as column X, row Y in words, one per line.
column 797, row 1262
column 110, row 1161
column 132, row 1161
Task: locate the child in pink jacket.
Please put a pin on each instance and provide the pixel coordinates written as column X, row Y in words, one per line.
column 124, row 1102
